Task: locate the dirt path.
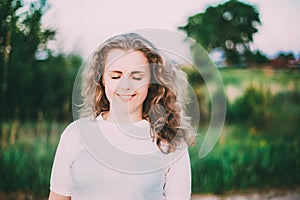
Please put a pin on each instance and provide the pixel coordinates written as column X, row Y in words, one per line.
column 292, row 194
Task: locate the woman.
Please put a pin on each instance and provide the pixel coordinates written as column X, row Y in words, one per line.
column 132, row 143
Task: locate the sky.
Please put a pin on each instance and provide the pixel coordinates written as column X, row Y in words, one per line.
column 82, row 25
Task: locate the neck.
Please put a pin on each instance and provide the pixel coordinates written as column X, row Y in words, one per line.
column 122, row 118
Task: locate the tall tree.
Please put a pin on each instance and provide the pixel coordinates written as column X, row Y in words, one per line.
column 8, row 20
column 229, row 26
column 21, row 35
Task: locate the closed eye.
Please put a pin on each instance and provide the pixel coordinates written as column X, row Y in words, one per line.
column 137, row 78
column 137, row 75
column 115, row 74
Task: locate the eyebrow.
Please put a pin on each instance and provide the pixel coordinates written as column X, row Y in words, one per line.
column 120, row 72
column 115, row 71
column 138, row 72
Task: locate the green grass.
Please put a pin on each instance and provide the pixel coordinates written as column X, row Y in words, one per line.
column 27, row 152
column 241, row 160
column 236, row 81
column 242, row 77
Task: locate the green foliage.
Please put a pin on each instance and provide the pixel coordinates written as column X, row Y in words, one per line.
column 261, row 111
column 199, row 88
column 256, row 57
column 27, row 153
column 43, row 89
column 260, row 145
column 250, row 108
column 286, row 56
column 242, row 161
column 194, row 77
column 32, row 86
column 229, row 26
column 262, row 78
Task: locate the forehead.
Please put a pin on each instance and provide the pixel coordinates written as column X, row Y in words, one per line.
column 120, row 60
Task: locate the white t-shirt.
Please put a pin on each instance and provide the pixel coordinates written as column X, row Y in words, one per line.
column 96, row 159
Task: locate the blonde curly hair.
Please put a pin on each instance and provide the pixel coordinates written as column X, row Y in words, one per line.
column 163, row 106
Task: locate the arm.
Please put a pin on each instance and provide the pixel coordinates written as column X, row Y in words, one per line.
column 54, row 196
column 178, row 179
column 60, row 181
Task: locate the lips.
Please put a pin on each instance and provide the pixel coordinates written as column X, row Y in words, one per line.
column 126, row 97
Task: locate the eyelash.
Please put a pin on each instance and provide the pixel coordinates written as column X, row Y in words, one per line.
column 118, row 77
column 115, row 77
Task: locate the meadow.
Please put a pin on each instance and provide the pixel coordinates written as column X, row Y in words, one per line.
column 259, row 147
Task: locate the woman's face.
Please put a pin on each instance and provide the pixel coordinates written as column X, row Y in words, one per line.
column 126, row 80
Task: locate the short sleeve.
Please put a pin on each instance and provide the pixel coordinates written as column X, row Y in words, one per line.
column 178, row 179
column 60, row 181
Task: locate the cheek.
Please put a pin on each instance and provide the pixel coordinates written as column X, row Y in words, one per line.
column 143, row 90
column 110, row 87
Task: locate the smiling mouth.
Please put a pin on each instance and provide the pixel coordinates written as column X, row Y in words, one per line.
column 126, row 97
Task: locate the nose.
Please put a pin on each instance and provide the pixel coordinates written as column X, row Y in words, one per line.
column 125, row 83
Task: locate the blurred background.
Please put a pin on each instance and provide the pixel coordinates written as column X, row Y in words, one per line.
column 255, row 46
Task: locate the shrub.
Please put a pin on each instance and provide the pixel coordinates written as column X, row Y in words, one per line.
column 251, row 108
column 241, row 161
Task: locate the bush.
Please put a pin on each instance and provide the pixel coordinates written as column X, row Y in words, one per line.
column 251, row 108
column 259, row 148
column 241, row 161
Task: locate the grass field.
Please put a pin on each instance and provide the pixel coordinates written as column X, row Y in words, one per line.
column 275, row 81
